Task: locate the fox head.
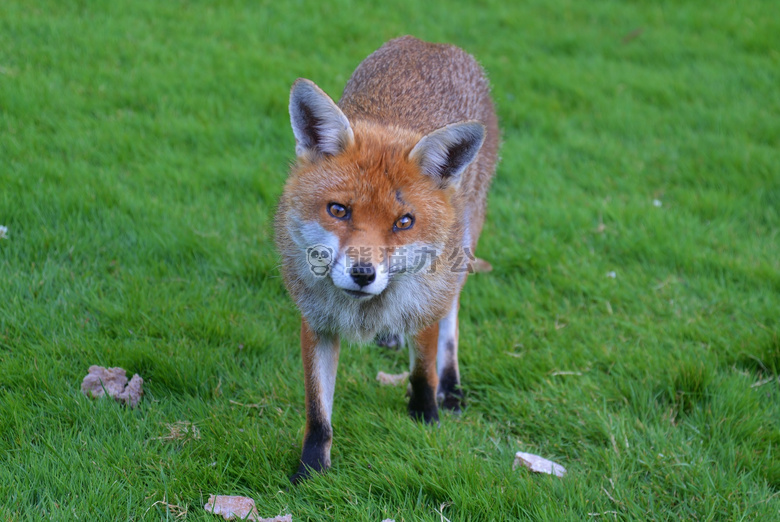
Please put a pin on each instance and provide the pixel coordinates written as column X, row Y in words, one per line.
column 380, row 198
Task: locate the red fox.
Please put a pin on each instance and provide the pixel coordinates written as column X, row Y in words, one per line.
column 380, row 218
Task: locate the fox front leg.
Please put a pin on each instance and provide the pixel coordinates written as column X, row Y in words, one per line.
column 423, row 375
column 449, row 394
column 320, row 356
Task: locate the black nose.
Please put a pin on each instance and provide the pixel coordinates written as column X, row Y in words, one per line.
column 363, row 273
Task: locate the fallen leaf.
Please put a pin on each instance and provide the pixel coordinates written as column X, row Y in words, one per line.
column 386, row 379
column 113, row 381
column 538, row 464
column 243, row 508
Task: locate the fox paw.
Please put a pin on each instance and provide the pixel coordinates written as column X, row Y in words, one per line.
column 422, row 410
column 453, row 402
column 305, row 473
column 429, row 416
column 299, row 476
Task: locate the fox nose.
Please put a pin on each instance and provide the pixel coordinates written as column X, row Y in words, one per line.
column 362, row 273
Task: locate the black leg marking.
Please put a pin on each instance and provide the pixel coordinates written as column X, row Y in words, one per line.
column 316, row 451
column 450, row 391
column 422, row 402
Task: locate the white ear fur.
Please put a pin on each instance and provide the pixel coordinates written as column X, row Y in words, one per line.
column 445, row 153
column 318, row 124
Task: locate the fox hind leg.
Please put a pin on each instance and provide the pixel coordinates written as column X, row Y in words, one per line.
column 389, row 340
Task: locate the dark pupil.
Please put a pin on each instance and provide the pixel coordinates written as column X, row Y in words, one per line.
column 404, row 221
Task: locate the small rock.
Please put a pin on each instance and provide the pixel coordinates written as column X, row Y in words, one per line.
column 538, row 464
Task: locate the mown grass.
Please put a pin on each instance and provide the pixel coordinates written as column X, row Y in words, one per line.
column 143, row 146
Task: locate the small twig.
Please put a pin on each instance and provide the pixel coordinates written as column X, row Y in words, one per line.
column 633, row 35
column 610, row 497
column 764, row 381
column 759, row 361
column 441, row 509
column 256, row 405
column 765, row 327
column 175, row 510
column 565, row 373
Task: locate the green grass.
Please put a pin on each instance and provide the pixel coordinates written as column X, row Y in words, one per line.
column 143, row 146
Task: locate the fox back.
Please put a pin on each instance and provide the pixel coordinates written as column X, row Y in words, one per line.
column 424, row 86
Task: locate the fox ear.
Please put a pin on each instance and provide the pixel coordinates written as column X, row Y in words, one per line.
column 445, row 153
column 318, row 124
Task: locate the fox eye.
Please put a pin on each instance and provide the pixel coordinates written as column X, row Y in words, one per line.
column 404, row 222
column 337, row 211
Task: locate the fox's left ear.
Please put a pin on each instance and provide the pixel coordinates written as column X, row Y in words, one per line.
column 318, row 124
column 445, row 153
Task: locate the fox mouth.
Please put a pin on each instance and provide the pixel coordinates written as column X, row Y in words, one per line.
column 357, row 294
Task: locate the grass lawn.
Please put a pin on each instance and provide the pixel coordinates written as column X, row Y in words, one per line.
column 630, row 330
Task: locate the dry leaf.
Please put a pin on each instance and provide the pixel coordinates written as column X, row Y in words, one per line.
column 242, row 508
column 231, row 507
column 538, row 464
column 386, row 379
column 113, row 381
column 181, row 430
